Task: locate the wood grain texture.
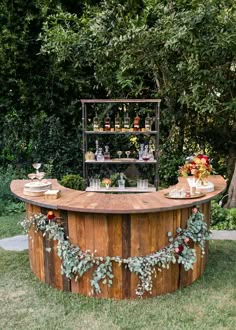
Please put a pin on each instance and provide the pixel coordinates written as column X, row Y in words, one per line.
column 80, row 201
column 115, row 234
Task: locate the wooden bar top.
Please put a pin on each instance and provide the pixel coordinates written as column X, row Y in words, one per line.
column 128, row 203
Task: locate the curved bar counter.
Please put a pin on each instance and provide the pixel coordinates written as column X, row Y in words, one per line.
column 115, row 225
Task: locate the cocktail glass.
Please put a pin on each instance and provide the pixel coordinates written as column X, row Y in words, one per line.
column 40, row 175
column 37, row 166
column 119, row 153
column 32, row 176
column 128, row 153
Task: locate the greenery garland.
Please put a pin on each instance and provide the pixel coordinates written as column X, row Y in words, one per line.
column 75, row 262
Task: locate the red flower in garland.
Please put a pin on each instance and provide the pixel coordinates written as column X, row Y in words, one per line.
column 179, row 249
column 50, row 215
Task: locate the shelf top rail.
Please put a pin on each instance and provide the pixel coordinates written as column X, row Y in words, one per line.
column 120, row 100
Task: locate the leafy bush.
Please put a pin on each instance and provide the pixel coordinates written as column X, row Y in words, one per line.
column 8, row 203
column 73, row 181
column 222, row 219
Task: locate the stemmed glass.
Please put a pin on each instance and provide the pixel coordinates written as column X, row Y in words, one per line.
column 37, row 167
column 32, row 176
column 40, row 175
column 119, row 153
column 128, row 153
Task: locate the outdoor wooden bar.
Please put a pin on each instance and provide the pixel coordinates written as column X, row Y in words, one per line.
column 115, row 225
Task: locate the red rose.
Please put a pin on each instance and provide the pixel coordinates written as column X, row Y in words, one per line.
column 181, row 248
column 50, row 215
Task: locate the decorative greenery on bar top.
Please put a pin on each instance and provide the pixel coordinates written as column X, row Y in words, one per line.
column 75, row 262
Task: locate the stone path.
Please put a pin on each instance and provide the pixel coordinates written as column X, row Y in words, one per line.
column 15, row 243
column 20, row 242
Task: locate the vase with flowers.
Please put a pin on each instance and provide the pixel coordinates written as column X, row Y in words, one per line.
column 198, row 166
column 106, row 182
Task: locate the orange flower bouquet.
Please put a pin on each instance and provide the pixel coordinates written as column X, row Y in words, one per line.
column 106, row 182
column 198, row 165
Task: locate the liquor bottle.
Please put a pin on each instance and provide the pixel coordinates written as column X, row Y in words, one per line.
column 95, row 123
column 136, row 123
column 117, row 123
column 106, row 153
column 126, row 120
column 107, row 123
column 148, row 123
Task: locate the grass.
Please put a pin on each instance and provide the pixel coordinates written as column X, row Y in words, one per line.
column 209, row 303
column 9, row 225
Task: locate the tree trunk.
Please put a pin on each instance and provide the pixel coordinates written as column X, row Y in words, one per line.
column 231, row 202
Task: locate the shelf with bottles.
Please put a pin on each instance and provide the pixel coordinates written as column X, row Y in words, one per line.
column 134, row 119
column 145, row 155
column 121, row 126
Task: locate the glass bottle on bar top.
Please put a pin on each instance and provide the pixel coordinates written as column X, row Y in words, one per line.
column 107, row 123
column 148, row 123
column 117, row 123
column 126, row 120
column 95, row 123
column 137, row 122
column 106, row 153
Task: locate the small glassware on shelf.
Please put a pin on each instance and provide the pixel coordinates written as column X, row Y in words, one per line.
column 107, row 123
column 146, row 156
column 37, row 167
column 119, row 153
column 137, row 123
column 128, row 153
column 106, row 153
column 121, row 182
column 96, row 123
column 126, row 121
column 100, row 156
column 117, row 123
column 148, row 123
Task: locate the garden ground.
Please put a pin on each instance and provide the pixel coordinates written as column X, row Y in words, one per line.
column 26, row 303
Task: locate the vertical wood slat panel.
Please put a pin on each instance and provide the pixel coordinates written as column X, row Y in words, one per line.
column 122, row 235
column 114, row 223
column 126, row 253
column 72, row 234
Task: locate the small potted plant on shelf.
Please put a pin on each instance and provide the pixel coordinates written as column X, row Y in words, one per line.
column 106, row 182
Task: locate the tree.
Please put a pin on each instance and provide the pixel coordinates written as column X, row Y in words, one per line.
column 182, row 51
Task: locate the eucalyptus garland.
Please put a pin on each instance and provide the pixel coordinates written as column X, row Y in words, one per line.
column 75, row 262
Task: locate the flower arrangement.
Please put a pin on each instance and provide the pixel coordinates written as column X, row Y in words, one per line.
column 197, row 165
column 106, row 182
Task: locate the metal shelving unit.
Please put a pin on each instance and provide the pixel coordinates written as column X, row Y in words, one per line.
column 86, row 133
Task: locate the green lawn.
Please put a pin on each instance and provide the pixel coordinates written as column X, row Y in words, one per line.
column 9, row 225
column 210, row 303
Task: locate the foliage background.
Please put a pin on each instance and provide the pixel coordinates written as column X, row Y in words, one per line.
column 53, row 53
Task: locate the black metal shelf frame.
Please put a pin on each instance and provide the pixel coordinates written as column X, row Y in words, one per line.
column 86, row 132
